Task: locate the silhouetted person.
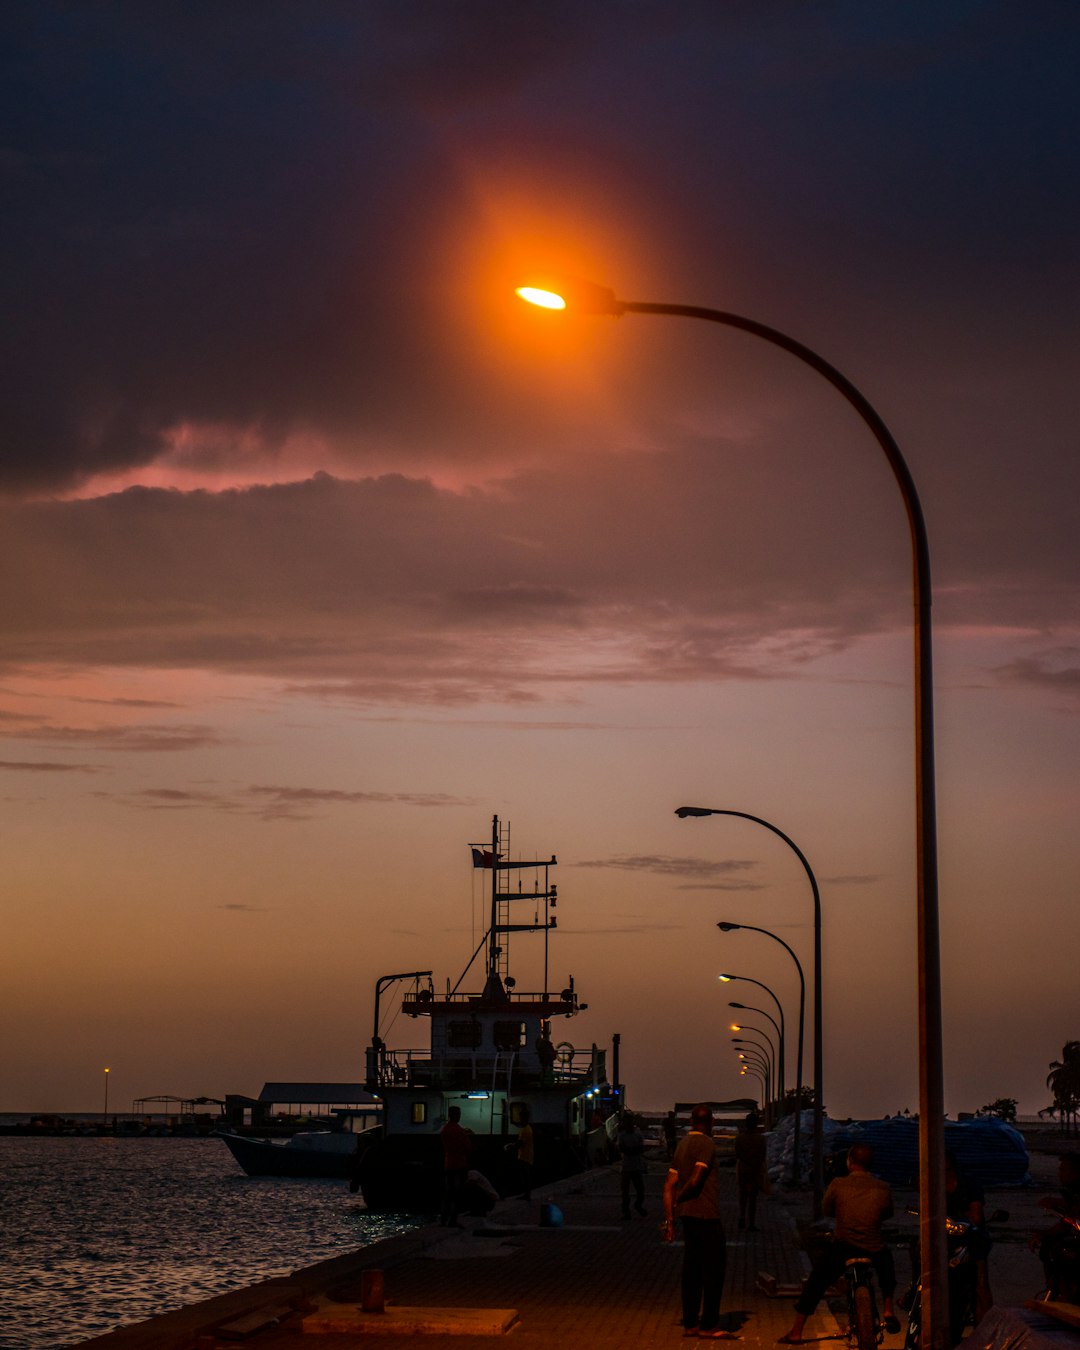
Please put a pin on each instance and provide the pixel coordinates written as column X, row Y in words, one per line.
column 691, row 1188
column 631, row 1145
column 671, row 1134
column 1059, row 1246
column 526, row 1154
column 860, row 1203
column 457, row 1145
column 751, row 1176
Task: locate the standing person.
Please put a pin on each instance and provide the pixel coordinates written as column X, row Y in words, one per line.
column 860, row 1203
column 671, row 1134
column 457, row 1145
column 691, row 1187
column 969, row 1281
column 1059, row 1246
column 631, row 1145
column 750, row 1174
column 525, row 1152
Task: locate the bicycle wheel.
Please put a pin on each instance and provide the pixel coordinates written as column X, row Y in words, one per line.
column 865, row 1322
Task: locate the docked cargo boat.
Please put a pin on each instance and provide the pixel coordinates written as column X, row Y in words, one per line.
column 494, row 1053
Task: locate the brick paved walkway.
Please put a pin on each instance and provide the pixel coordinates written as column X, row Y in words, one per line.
column 596, row 1281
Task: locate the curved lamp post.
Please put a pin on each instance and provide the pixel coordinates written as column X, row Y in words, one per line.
column 760, row 1031
column 764, row 1047
column 819, row 1092
column 748, row 1059
column 779, row 1047
column 747, row 1070
column 760, row 1064
column 589, row 298
column 727, row 979
column 754, row 1052
column 726, row 927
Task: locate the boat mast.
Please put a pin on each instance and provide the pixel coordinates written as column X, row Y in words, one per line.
column 493, row 930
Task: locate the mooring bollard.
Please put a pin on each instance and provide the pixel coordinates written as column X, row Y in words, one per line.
column 372, row 1291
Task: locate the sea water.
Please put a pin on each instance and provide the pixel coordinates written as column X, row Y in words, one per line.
column 96, row 1233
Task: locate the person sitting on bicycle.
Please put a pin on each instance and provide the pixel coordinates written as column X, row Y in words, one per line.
column 860, row 1203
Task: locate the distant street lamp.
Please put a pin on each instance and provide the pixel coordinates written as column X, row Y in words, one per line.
column 749, row 1069
column 727, row 927
column 105, row 1116
column 727, row 979
column 760, row 1061
column 748, row 1007
column 764, row 1044
column 765, row 1050
column 819, row 1091
column 588, row 298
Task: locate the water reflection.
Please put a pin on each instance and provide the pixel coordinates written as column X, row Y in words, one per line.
column 96, row 1233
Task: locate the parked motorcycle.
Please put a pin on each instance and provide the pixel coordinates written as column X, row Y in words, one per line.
column 965, row 1243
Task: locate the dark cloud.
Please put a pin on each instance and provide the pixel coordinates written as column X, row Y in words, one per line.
column 46, row 766
column 1056, row 670
column 275, row 802
column 666, row 866
column 152, row 703
column 135, row 739
column 662, row 567
column 237, row 228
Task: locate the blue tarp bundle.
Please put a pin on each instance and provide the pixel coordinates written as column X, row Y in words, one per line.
column 987, row 1151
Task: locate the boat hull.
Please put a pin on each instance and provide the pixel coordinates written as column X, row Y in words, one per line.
column 399, row 1174
column 264, row 1158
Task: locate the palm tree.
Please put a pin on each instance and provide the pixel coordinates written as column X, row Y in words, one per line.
column 1064, row 1081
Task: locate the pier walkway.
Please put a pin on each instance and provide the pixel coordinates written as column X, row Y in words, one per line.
column 594, row 1281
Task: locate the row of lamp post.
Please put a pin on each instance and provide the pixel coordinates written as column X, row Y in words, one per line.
column 589, row 298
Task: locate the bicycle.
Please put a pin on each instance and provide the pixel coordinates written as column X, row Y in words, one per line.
column 865, row 1329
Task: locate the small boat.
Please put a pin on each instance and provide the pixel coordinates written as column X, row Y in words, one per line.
column 491, row 1053
column 308, row 1153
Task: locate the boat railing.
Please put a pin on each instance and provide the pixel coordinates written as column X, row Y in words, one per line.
column 487, row 1069
column 420, row 1002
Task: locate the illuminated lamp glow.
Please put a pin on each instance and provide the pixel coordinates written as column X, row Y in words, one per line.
column 545, row 299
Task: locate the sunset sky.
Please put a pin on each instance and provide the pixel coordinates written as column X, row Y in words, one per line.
column 319, row 548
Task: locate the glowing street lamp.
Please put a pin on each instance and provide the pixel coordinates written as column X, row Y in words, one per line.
column 768, row 1058
column 105, row 1116
column 587, row 297
column 746, row 1007
column 727, row 927
column 727, row 979
column 819, row 1093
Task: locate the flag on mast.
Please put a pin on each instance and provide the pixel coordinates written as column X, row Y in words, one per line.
column 483, row 857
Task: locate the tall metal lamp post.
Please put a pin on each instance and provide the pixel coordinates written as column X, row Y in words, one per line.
column 589, row 298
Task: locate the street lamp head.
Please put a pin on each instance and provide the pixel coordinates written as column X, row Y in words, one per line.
column 685, row 811
column 726, row 978
column 557, row 292
column 736, row 1005
column 728, row 927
